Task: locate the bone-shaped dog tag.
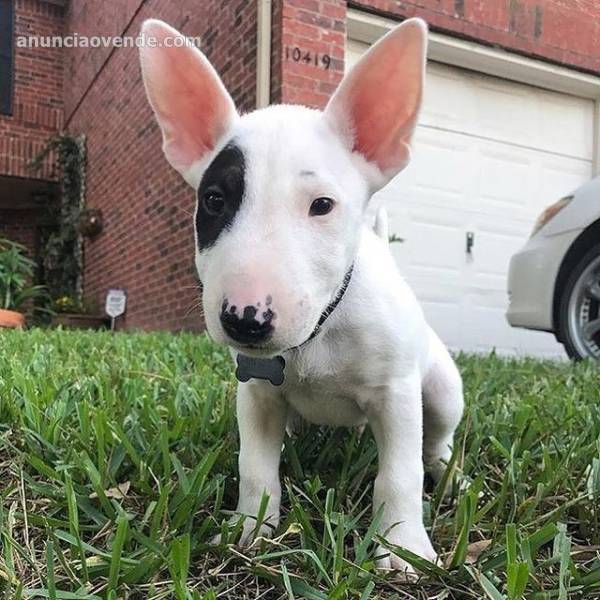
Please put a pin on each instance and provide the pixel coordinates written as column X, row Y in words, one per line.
column 269, row 369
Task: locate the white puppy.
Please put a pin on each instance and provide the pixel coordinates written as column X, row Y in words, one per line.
column 295, row 280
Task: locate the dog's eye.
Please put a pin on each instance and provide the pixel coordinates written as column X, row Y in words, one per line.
column 321, row 206
column 214, row 203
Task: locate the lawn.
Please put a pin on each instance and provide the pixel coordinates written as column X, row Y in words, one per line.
column 118, row 461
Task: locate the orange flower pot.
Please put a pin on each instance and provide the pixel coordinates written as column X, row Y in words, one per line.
column 9, row 319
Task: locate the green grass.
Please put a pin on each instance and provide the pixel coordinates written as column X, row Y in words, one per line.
column 118, row 465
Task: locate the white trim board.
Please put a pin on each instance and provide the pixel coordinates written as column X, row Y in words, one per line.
column 368, row 28
column 263, row 53
column 476, row 57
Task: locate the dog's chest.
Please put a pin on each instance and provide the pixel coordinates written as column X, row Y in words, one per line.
column 325, row 387
column 325, row 404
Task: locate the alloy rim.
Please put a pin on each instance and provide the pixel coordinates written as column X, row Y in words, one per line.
column 584, row 311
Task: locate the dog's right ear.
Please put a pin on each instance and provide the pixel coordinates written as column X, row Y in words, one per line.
column 189, row 100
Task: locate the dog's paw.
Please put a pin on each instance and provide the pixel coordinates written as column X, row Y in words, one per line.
column 387, row 560
column 294, row 424
column 249, row 532
column 436, row 460
column 435, row 469
column 435, row 474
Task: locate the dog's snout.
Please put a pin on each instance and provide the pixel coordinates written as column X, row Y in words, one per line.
column 254, row 326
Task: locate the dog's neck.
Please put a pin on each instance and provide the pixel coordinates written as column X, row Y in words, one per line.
column 273, row 369
column 330, row 307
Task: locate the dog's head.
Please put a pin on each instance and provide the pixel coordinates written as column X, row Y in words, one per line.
column 281, row 191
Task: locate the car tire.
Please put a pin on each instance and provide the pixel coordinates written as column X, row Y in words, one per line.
column 579, row 309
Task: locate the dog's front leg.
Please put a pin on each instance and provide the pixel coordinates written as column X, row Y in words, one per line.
column 262, row 416
column 396, row 418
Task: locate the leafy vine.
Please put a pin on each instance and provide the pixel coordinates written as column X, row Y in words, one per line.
column 62, row 253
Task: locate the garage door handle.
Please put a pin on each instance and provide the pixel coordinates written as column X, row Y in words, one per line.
column 470, row 242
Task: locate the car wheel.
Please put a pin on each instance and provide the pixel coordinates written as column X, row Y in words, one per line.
column 579, row 313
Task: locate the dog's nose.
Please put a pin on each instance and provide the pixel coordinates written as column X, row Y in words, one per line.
column 247, row 329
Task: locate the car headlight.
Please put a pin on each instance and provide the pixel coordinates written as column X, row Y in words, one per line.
column 550, row 212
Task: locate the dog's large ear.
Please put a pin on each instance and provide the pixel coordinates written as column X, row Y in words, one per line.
column 189, row 100
column 376, row 106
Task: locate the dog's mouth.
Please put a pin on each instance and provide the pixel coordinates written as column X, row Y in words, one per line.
column 256, row 350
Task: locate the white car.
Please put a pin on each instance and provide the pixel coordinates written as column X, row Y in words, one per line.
column 554, row 281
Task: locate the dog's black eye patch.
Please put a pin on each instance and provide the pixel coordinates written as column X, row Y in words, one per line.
column 220, row 195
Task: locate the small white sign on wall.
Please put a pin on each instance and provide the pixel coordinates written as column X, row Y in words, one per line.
column 116, row 304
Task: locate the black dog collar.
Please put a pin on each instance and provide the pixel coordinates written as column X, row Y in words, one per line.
column 273, row 369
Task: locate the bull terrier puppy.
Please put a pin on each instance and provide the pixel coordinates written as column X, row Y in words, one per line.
column 297, row 281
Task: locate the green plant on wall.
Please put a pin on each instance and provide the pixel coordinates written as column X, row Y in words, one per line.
column 62, row 252
column 16, row 275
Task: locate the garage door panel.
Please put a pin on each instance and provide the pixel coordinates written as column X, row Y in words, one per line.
column 445, row 165
column 505, row 111
column 492, row 246
column 575, row 135
column 538, row 343
column 425, row 236
column 559, row 178
column 421, row 232
column 492, row 319
column 447, row 104
column 446, row 317
column 446, row 219
column 506, row 178
column 435, row 289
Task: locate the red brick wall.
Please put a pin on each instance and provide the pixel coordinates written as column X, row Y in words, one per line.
column 37, row 105
column 83, row 64
column 561, row 31
column 147, row 245
column 307, row 50
column 20, row 226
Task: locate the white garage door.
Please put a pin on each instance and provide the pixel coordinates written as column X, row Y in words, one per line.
column 489, row 155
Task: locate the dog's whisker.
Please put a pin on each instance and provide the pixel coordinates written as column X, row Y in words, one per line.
column 196, row 306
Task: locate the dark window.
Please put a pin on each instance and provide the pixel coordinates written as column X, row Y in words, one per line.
column 6, row 55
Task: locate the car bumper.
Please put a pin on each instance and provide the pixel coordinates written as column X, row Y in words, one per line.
column 532, row 278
